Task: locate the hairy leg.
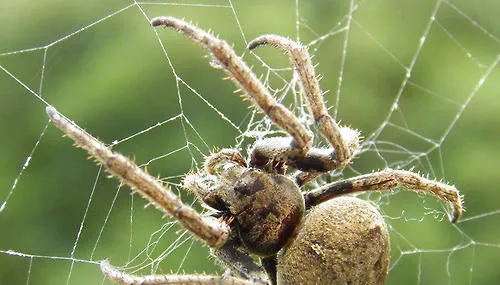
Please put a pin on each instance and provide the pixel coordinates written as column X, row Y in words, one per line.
column 212, row 231
column 300, row 58
column 387, row 180
column 116, row 275
column 243, row 77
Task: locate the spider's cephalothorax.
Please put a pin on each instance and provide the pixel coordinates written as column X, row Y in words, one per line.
column 257, row 209
column 266, row 207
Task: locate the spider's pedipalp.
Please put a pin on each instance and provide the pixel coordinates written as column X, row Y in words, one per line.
column 389, row 179
column 244, row 77
column 301, row 60
column 214, row 234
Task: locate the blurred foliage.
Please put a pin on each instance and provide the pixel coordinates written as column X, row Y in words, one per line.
column 111, row 76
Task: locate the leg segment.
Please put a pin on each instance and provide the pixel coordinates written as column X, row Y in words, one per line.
column 388, row 180
column 244, row 77
column 300, row 58
column 116, row 275
column 269, row 153
column 212, row 231
column 240, row 263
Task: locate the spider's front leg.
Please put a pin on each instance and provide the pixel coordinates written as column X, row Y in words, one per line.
column 301, row 60
column 214, row 233
column 243, row 77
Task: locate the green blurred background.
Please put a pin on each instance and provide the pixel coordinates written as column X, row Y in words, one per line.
column 112, row 77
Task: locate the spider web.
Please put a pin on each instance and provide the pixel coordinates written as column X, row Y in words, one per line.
column 419, row 79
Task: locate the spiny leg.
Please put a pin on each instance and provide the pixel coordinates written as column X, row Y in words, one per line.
column 239, row 262
column 244, row 77
column 116, row 275
column 270, row 153
column 300, row 58
column 388, row 180
column 210, row 230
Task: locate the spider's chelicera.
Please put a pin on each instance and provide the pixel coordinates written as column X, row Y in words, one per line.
column 259, row 212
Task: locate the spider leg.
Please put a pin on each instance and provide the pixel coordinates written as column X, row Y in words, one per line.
column 239, row 262
column 244, row 77
column 269, row 152
column 269, row 263
column 300, row 58
column 116, row 275
column 215, row 233
column 387, row 180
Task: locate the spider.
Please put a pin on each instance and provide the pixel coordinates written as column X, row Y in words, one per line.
column 261, row 226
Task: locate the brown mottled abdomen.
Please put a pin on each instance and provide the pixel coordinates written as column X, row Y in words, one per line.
column 342, row 241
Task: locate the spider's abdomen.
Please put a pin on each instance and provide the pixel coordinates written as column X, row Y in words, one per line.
column 267, row 208
column 342, row 241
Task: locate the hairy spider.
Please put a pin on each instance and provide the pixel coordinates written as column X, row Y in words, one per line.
column 258, row 210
